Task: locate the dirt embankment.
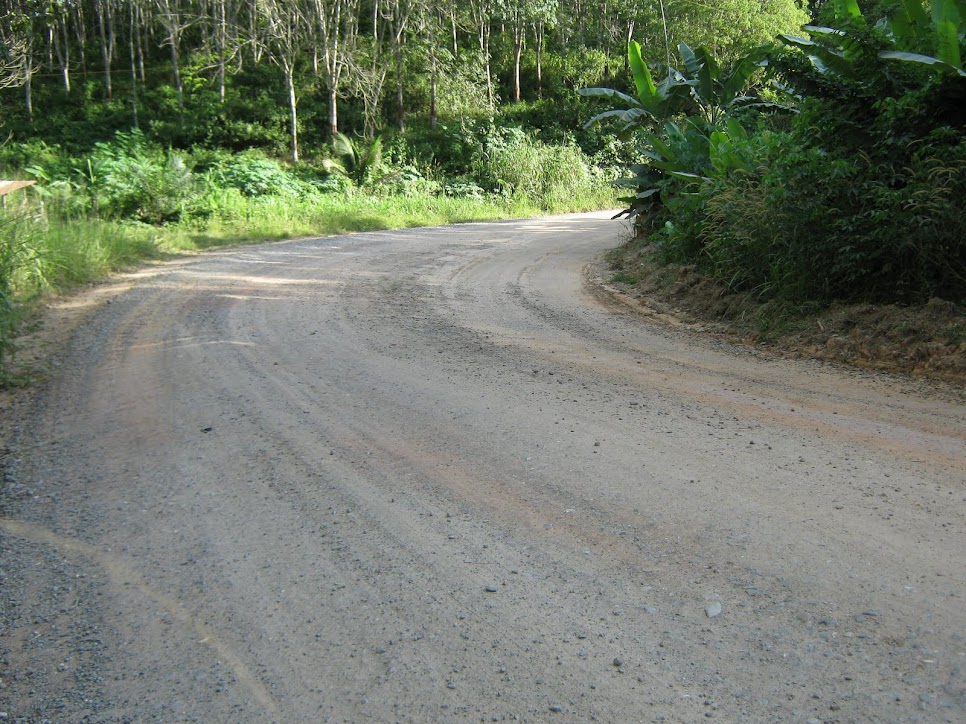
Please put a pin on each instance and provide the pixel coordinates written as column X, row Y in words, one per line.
column 926, row 341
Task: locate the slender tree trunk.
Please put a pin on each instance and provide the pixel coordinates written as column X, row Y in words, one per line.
column 293, row 109
column 400, row 104
column 333, row 110
column 222, row 48
column 81, row 33
column 102, row 20
column 28, row 91
column 452, row 17
column 134, row 70
column 667, row 40
column 253, row 33
column 140, row 47
column 176, row 72
column 62, row 51
column 433, row 86
column 485, row 49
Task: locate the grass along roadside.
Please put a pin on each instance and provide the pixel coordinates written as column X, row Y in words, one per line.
column 42, row 258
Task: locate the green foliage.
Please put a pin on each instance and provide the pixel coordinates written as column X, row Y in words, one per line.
column 623, row 277
column 580, row 67
column 450, row 150
column 856, row 197
column 849, row 50
column 406, row 181
column 18, row 233
column 729, row 28
column 680, row 153
column 357, row 160
column 462, row 88
column 254, row 175
column 517, row 166
column 654, row 103
column 124, row 178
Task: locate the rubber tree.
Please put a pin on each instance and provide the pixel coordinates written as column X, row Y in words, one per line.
column 175, row 19
column 285, row 28
column 335, row 27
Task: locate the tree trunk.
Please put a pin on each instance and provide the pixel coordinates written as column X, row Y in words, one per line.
column 140, row 49
column 333, row 110
column 433, row 86
column 400, row 104
column 28, row 72
column 485, row 49
column 222, row 48
column 134, row 68
column 293, row 111
column 62, row 51
column 176, row 71
column 102, row 20
column 452, row 17
column 81, row 33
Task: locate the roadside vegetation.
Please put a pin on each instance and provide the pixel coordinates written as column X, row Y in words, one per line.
column 826, row 168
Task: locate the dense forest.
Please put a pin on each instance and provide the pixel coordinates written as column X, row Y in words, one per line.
column 236, row 74
column 802, row 152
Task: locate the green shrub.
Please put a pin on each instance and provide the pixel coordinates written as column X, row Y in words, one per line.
column 255, row 175
column 333, row 183
column 856, row 198
column 406, row 181
column 552, row 177
column 463, row 188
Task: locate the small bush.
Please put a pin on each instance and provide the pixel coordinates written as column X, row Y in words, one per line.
column 463, row 188
column 515, row 165
column 257, row 176
column 406, row 181
column 333, row 183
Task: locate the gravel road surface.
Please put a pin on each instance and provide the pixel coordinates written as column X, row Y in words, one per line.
column 438, row 475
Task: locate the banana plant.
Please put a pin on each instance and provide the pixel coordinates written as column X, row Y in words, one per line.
column 655, row 102
column 718, row 91
column 724, row 148
column 948, row 25
column 680, row 153
column 908, row 30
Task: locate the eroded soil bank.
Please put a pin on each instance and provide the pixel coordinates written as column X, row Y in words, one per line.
column 926, row 341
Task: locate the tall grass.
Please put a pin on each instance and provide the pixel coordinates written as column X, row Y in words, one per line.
column 17, row 259
column 552, row 176
column 242, row 219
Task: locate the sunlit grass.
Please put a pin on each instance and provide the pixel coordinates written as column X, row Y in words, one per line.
column 248, row 220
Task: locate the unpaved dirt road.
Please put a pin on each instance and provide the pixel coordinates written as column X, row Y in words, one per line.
column 431, row 475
